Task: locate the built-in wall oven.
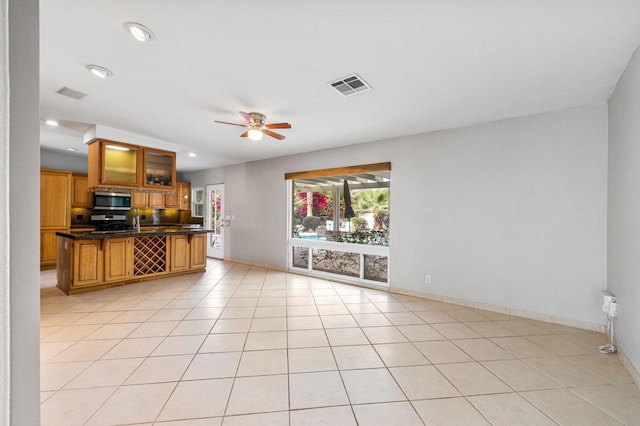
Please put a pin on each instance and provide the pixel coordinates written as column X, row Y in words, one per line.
column 111, row 201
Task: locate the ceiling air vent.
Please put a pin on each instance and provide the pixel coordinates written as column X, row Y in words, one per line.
column 350, row 85
column 65, row 91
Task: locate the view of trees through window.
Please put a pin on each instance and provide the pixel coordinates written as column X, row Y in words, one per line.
column 319, row 212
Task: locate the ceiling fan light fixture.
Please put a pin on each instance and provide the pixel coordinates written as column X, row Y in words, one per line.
column 139, row 31
column 99, row 71
column 255, row 134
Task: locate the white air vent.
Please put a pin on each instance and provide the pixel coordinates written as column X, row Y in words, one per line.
column 65, row 91
column 350, row 85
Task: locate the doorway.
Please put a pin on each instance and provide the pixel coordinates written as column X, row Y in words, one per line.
column 214, row 220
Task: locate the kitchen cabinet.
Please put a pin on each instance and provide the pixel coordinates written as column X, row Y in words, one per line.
column 139, row 200
column 81, row 196
column 152, row 200
column 55, row 199
column 179, row 253
column 159, row 169
column 198, row 251
column 180, row 198
column 55, row 212
column 88, row 262
column 114, row 164
column 184, row 196
column 118, row 259
column 155, row 200
column 48, row 248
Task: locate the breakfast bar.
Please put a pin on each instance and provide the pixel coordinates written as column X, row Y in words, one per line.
column 99, row 259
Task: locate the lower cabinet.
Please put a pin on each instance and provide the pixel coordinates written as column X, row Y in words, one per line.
column 179, row 253
column 118, row 259
column 49, row 248
column 198, row 251
column 88, row 263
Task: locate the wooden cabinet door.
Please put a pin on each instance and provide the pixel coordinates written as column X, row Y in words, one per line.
column 198, row 248
column 118, row 164
column 156, row 200
column 118, row 259
column 158, row 169
column 171, row 198
column 139, row 200
column 184, row 196
column 88, row 262
column 179, row 253
column 55, row 199
column 48, row 248
column 81, row 196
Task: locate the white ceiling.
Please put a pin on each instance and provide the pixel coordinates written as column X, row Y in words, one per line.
column 433, row 65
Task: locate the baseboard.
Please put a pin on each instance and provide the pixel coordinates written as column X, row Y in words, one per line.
column 600, row 328
column 628, row 365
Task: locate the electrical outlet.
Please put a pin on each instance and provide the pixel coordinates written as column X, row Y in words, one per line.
column 428, row 279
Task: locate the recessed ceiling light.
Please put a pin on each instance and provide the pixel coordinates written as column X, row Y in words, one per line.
column 139, row 31
column 99, row 71
column 255, row 134
column 192, row 154
column 52, row 123
column 72, row 149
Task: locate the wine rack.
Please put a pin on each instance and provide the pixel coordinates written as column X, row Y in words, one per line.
column 150, row 255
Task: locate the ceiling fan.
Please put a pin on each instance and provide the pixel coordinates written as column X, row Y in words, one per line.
column 257, row 126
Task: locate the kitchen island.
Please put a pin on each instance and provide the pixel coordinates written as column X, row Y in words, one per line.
column 99, row 259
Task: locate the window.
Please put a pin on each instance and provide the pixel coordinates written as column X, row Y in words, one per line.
column 340, row 221
column 197, row 202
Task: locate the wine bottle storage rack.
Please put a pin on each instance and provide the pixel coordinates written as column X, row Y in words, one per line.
column 150, row 255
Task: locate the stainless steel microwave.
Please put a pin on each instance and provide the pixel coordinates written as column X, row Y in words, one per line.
column 111, row 201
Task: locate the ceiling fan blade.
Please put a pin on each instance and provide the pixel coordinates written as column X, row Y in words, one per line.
column 245, row 134
column 245, row 116
column 273, row 134
column 278, row 126
column 233, row 124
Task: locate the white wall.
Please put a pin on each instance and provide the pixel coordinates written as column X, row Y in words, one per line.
column 624, row 208
column 24, row 214
column 5, row 326
column 50, row 159
column 511, row 213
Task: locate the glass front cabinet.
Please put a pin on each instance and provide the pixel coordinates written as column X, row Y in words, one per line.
column 113, row 164
column 159, row 169
column 121, row 165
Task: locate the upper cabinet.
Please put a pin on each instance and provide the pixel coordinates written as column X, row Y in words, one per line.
column 159, row 169
column 180, row 198
column 55, row 199
column 120, row 165
column 81, row 196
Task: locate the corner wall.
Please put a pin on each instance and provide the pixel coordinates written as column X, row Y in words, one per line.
column 24, row 213
column 624, row 209
column 510, row 214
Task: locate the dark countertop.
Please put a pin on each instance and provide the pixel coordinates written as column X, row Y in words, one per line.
column 144, row 232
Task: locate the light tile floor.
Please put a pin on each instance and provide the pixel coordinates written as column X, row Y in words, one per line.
column 247, row 346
